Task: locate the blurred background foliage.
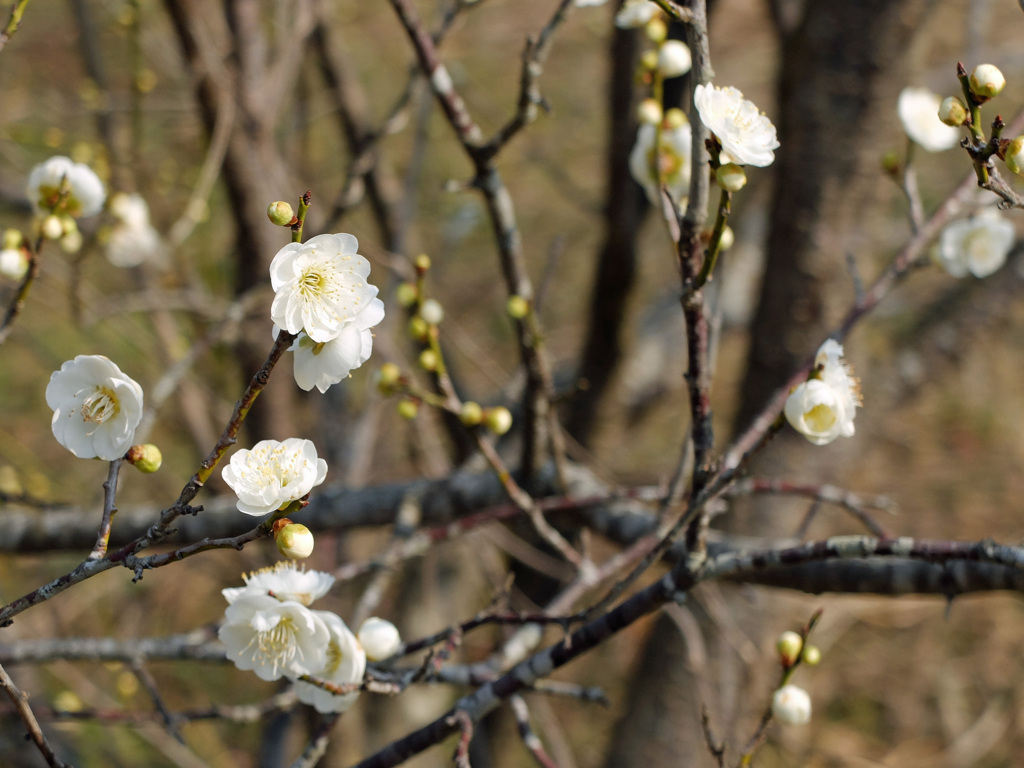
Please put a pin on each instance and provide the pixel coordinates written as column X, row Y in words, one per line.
column 904, row 682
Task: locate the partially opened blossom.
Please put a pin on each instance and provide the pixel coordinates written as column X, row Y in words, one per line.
column 86, row 193
column 747, row 136
column 345, row 664
column 978, row 245
column 674, row 160
column 274, row 638
column 273, row 474
column 918, row 109
column 96, row 407
column 791, row 705
column 320, row 286
column 823, row 408
column 636, row 13
column 285, row 581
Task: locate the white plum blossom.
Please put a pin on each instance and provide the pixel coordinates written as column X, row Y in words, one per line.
column 133, row 239
column 273, row 474
column 791, row 705
column 285, row 581
column 320, row 286
column 823, row 408
column 346, row 663
column 85, row 190
column 96, row 407
column 636, row 13
column 323, row 364
column 918, row 109
column 674, row 159
column 274, row 638
column 747, row 136
column 978, row 245
column 379, row 638
column 13, row 263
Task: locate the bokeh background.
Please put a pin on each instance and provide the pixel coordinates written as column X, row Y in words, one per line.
column 211, row 111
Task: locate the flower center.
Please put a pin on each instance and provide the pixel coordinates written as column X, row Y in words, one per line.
column 100, row 406
column 334, row 657
column 820, row 418
column 275, row 647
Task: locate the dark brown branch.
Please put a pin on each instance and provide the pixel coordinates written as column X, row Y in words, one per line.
column 35, row 733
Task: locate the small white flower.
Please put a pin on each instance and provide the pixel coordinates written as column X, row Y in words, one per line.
column 918, row 109
column 791, row 705
column 13, row 263
column 676, row 147
column 273, row 474
column 285, row 581
column 379, row 638
column 346, row 663
column 636, row 13
column 96, row 407
column 823, row 408
column 746, row 134
column 85, row 190
column 274, row 638
column 978, row 245
column 674, row 59
column 133, row 239
column 323, row 364
column 320, row 286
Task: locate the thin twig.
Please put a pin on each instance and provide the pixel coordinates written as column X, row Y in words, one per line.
column 35, row 733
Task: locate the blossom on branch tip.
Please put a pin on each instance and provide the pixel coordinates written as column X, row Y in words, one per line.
column 978, row 245
column 747, row 136
column 320, row 286
column 274, row 638
column 273, row 474
column 791, row 705
column 673, row 161
column 96, row 407
column 285, row 581
column 345, row 664
column 379, row 638
column 918, row 109
column 823, row 407
column 85, row 191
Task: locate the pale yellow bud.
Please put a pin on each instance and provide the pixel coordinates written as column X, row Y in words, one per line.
column 731, row 177
column 649, row 112
column 952, row 111
column 517, row 307
column 280, row 213
column 432, row 311
column 408, row 409
column 987, row 81
column 471, row 413
column 675, row 118
column 407, row 294
column 295, row 541
column 145, row 458
column 498, row 420
column 789, row 646
column 1014, row 155
column 656, row 30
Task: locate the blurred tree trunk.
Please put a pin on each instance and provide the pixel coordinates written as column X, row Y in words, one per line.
column 838, row 72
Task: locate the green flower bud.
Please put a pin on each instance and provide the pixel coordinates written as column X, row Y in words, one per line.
column 52, row 228
column 812, row 655
column 422, row 263
column 281, row 213
column 471, row 413
column 517, row 307
column 789, row 646
column 294, row 541
column 408, row 408
column 649, row 60
column 388, row 378
column 1013, row 154
column 12, row 239
column 952, row 111
column 987, row 81
column 649, row 112
column 675, row 118
column 656, row 30
column 728, row 238
column 731, row 177
column 498, row 420
column 419, row 329
column 145, row 458
column 429, row 360
column 71, row 242
column 407, row 294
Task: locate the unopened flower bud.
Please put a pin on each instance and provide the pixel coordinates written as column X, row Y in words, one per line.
column 987, row 81
column 12, row 238
column 498, row 420
column 145, row 458
column 674, row 59
column 419, row 329
column 812, row 655
column 471, row 413
column 280, row 213
column 517, row 307
column 731, row 177
column 13, row 263
column 649, row 60
column 675, row 118
column 71, row 242
column 1013, row 154
column 727, row 240
column 294, row 541
column 407, row 294
column 429, row 360
column 952, row 111
column 791, row 705
column 388, row 378
column 649, row 112
column 52, row 228
column 891, row 163
column 432, row 311
column 422, row 263
column 408, row 409
column 379, row 638
column 656, row 30
column 789, row 646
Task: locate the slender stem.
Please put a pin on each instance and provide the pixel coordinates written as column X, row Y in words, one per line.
column 109, row 510
column 13, row 22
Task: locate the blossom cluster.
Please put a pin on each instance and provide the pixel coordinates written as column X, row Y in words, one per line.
column 321, row 294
